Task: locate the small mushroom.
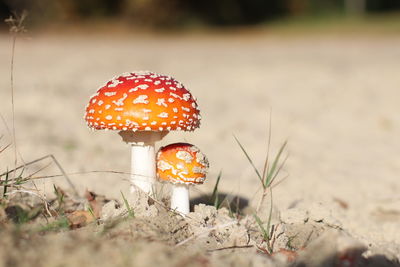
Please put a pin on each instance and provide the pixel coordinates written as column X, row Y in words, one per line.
column 143, row 106
column 182, row 165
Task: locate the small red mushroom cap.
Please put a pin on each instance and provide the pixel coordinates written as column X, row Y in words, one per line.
column 181, row 163
column 143, row 101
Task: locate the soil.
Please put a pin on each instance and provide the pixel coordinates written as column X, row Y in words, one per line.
column 335, row 99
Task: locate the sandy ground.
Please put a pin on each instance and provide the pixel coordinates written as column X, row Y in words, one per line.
column 334, row 99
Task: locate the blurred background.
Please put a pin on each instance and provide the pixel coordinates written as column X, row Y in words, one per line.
column 181, row 14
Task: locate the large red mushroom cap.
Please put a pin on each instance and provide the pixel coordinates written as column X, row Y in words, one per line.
column 181, row 163
column 143, row 101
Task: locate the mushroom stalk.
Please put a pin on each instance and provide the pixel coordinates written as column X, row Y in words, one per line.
column 143, row 158
column 143, row 167
column 180, row 198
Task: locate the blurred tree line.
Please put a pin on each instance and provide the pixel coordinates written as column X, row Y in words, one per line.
column 178, row 13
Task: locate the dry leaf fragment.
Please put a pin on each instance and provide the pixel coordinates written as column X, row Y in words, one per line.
column 80, row 218
column 96, row 202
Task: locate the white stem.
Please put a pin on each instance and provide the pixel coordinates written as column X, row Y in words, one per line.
column 180, row 198
column 143, row 168
column 143, row 161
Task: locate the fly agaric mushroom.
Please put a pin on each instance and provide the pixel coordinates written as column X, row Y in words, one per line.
column 182, row 165
column 144, row 107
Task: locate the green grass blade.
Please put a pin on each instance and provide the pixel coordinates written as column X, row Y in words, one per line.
column 215, row 196
column 19, row 180
column 279, row 169
column 271, row 172
column 264, row 232
column 270, row 212
column 269, row 227
column 5, row 185
column 128, row 207
column 249, row 159
column 266, row 162
column 58, row 225
column 91, row 211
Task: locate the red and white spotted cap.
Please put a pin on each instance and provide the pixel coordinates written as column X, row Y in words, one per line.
column 181, row 163
column 143, row 101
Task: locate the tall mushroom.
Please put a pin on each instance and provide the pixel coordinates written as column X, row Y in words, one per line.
column 144, row 107
column 182, row 165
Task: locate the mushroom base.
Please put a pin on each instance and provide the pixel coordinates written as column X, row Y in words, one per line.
column 180, row 198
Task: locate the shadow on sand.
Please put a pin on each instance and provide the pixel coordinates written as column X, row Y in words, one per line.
column 235, row 204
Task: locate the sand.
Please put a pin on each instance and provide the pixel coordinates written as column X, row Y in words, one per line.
column 335, row 99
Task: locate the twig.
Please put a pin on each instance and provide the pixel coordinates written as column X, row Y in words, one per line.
column 231, row 247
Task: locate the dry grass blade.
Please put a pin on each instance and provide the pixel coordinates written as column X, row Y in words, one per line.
column 16, row 26
column 231, row 247
column 250, row 160
column 19, row 180
column 4, row 148
column 63, row 173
